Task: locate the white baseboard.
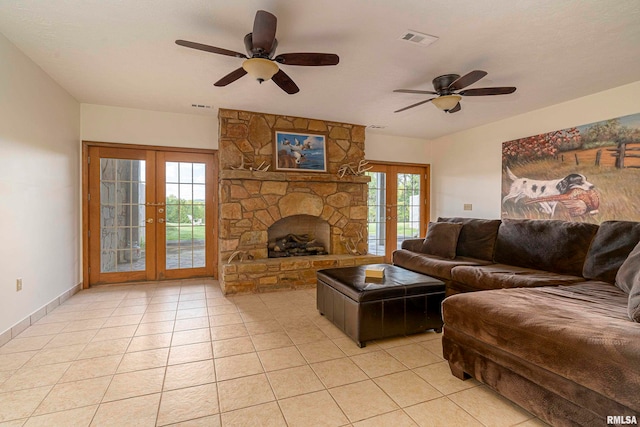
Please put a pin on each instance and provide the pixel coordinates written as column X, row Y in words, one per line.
column 19, row 327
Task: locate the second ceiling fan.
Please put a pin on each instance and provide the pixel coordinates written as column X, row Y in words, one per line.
column 261, row 62
column 446, row 86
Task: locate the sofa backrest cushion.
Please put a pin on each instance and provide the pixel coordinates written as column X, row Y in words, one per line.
column 610, row 247
column 628, row 280
column 441, row 239
column 477, row 237
column 549, row 245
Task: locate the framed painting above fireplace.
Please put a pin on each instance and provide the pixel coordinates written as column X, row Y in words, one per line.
column 300, row 152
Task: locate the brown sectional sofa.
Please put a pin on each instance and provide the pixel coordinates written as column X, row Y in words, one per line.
column 494, row 254
column 551, row 329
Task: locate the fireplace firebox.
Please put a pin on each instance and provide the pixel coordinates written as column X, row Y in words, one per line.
column 298, row 235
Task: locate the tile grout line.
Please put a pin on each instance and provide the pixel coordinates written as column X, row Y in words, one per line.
column 115, row 371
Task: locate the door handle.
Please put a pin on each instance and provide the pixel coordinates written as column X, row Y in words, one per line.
column 161, row 220
column 150, row 220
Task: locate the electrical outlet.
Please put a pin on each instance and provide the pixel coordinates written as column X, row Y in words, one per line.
column 18, row 284
column 468, row 206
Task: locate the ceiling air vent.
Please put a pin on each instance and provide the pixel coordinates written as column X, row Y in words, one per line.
column 417, row 38
column 376, row 127
column 201, row 106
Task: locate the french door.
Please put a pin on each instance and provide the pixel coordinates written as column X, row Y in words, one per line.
column 398, row 206
column 150, row 215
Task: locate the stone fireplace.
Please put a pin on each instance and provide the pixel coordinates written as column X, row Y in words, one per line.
column 255, row 202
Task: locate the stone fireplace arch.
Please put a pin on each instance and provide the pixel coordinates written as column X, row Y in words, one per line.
column 300, row 204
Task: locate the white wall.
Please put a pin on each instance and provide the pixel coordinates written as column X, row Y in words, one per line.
column 39, row 187
column 101, row 123
column 466, row 167
column 396, row 148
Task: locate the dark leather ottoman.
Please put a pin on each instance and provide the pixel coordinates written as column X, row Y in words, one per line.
column 365, row 309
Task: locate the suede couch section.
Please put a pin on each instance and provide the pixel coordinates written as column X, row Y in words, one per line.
column 431, row 265
column 477, row 238
column 554, row 399
column 628, row 281
column 550, row 245
column 581, row 333
column 501, row 276
column 611, row 246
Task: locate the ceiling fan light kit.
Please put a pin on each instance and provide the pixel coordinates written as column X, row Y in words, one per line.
column 260, row 69
column 446, row 102
column 261, row 62
column 448, row 89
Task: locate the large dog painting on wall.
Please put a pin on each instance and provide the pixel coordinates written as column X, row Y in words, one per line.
column 588, row 173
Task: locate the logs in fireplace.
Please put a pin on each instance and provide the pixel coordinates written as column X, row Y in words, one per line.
column 295, row 245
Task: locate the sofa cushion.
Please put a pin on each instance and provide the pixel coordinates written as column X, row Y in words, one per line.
column 610, row 247
column 549, row 245
column 580, row 332
column 477, row 237
column 414, row 245
column 431, row 265
column 442, row 239
column 628, row 280
column 497, row 276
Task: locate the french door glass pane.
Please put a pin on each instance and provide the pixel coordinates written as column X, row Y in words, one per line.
column 122, row 215
column 377, row 213
column 408, row 207
column 185, row 215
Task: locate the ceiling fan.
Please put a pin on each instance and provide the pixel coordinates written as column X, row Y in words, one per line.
column 446, row 86
column 261, row 63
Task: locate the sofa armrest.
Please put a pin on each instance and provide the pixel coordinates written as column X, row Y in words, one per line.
column 413, row 245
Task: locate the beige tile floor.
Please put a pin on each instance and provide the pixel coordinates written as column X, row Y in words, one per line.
column 180, row 353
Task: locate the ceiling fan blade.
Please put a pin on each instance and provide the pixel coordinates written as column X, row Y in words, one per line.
column 414, row 105
column 455, row 109
column 421, row 92
column 484, row 91
column 211, row 49
column 231, row 77
column 312, row 59
column 264, row 30
column 467, row 79
column 285, row 83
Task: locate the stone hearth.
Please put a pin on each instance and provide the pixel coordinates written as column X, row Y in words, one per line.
column 251, row 201
column 272, row 274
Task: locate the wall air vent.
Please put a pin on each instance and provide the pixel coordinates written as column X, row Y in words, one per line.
column 418, row 38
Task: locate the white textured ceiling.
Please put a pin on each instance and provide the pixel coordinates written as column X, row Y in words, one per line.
column 122, row 53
